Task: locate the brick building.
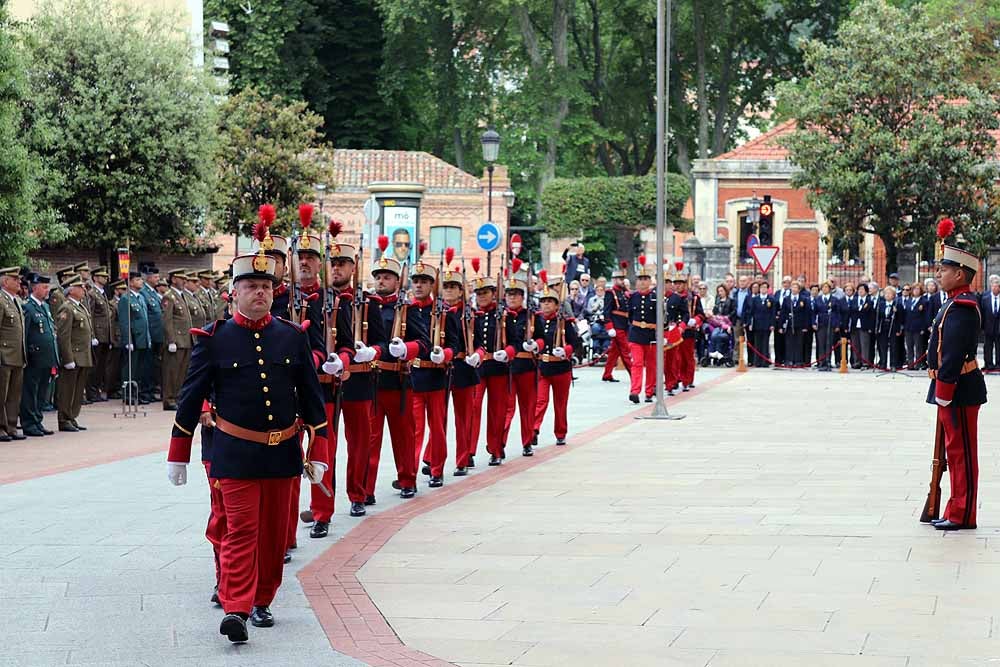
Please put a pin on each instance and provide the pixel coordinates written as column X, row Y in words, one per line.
column 723, row 188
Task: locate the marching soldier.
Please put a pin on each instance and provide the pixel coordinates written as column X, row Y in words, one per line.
column 493, row 353
column 429, row 371
column 43, row 356
column 276, row 247
column 692, row 314
column 674, row 328
column 177, row 326
column 100, row 314
column 113, row 371
column 957, row 385
column 12, row 355
column 642, row 333
column 523, row 367
column 464, row 378
column 616, row 306
column 75, row 335
column 154, row 322
column 133, row 322
column 556, row 339
column 258, row 371
column 393, row 404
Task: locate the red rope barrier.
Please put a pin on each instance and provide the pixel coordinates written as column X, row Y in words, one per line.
column 869, row 362
column 818, row 361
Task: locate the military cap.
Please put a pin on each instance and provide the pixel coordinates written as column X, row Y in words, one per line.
column 278, row 245
column 957, row 257
column 551, row 287
column 643, row 271
column 452, row 274
column 38, row 279
column 254, row 266
column 177, row 272
column 11, row 272
column 82, row 266
column 72, row 280
column 134, row 274
column 423, row 270
column 64, row 271
column 384, row 262
column 101, row 272
column 163, row 283
column 149, row 269
column 620, row 272
column 478, row 281
column 207, row 273
column 118, row 284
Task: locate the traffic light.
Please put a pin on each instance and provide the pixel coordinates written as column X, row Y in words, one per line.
column 766, row 221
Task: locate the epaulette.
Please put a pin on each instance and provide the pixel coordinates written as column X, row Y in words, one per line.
column 208, row 330
column 454, row 309
column 374, row 297
column 968, row 299
column 569, row 319
column 298, row 327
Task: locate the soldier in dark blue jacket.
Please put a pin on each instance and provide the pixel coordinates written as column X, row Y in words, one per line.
column 827, row 322
column 796, row 320
column 42, row 355
column 641, row 308
column 556, row 337
column 464, row 378
column 616, row 310
column 258, row 370
column 957, row 387
column 524, row 366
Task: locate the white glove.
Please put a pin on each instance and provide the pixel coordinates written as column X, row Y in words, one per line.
column 692, row 322
column 397, row 348
column 612, row 332
column 94, row 342
column 437, row 355
column 333, row 366
column 70, row 366
column 318, row 470
column 172, row 347
column 501, row 356
column 473, row 359
column 943, row 403
column 130, row 347
column 177, row 473
column 530, row 346
column 363, row 354
column 559, row 352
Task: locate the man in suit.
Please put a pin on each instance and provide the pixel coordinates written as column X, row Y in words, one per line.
column 796, row 320
column 42, row 355
column 917, row 307
column 761, row 322
column 133, row 322
column 741, row 305
column 890, row 319
column 990, row 307
column 12, row 355
column 75, row 335
column 780, row 296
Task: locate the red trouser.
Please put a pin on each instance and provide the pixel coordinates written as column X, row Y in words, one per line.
column 643, row 359
column 357, row 432
column 496, row 411
column 476, row 417
column 685, row 361
column 251, row 557
column 560, row 399
column 671, row 376
column 401, row 435
column 525, row 391
column 619, row 348
column 961, row 444
column 216, row 528
column 463, row 399
column 428, row 410
column 293, row 510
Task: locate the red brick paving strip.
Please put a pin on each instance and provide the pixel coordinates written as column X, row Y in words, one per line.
column 352, row 622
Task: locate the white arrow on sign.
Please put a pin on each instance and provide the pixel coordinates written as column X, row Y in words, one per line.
column 764, row 256
column 488, row 235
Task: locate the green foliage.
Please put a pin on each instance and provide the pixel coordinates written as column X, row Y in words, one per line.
column 575, row 206
column 269, row 154
column 881, row 144
column 120, row 122
column 324, row 52
column 21, row 228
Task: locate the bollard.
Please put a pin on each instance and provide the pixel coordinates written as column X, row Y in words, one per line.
column 843, row 355
column 742, row 368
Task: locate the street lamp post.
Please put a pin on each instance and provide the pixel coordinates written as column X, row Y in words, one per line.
column 320, row 189
column 491, row 148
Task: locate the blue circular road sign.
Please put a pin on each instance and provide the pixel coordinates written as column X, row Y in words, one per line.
column 489, row 236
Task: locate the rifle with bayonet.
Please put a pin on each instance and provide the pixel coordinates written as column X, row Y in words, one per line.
column 468, row 316
column 297, row 304
column 399, row 331
column 331, row 310
column 932, row 506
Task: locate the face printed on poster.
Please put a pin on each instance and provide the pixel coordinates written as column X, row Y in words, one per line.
column 400, row 225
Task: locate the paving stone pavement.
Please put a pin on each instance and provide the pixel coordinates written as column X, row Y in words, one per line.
column 775, row 525
column 109, row 565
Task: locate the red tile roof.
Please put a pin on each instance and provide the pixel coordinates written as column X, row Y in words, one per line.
column 765, row 147
column 355, row 169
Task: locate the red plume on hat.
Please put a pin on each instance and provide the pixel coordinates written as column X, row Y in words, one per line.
column 543, row 276
column 946, row 227
column 422, row 248
column 515, row 265
column 623, row 264
column 305, row 215
column 506, row 272
column 266, row 213
column 679, row 265
column 260, row 231
column 475, row 264
column 449, row 256
column 335, row 228
column 383, row 243
column 642, row 260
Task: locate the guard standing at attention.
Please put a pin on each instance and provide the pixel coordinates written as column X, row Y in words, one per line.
column 642, row 333
column 154, row 322
column 692, row 314
column 100, row 314
column 957, row 386
column 75, row 335
column 556, row 339
column 12, row 353
column 616, row 308
column 258, row 371
column 177, row 325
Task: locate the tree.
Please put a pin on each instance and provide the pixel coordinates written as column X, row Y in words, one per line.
column 120, row 121
column 608, row 213
column 20, row 226
column 269, row 154
column 890, row 138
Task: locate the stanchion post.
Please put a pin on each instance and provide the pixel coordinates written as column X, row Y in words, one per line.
column 742, row 368
column 843, row 355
